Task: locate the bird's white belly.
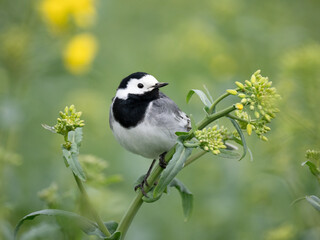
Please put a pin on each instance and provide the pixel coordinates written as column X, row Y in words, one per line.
column 144, row 139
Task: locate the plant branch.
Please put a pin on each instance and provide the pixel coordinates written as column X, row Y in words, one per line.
column 136, row 204
column 209, row 119
column 94, row 213
column 237, row 118
column 154, row 176
column 219, row 99
column 194, row 157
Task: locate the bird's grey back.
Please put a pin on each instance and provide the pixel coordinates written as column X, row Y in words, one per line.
column 164, row 111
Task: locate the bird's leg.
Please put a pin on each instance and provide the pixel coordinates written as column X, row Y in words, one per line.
column 144, row 181
column 162, row 162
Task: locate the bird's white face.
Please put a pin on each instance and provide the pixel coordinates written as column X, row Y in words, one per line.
column 137, row 86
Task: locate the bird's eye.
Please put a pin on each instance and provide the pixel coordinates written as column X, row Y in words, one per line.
column 140, row 85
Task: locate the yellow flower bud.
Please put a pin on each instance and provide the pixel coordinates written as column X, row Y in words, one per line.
column 241, row 95
column 256, row 114
column 239, row 106
column 72, row 108
column 264, row 138
column 267, row 117
column 232, row 91
column 244, row 100
column 257, row 72
column 249, row 129
column 253, row 79
column 240, row 85
column 216, row 152
column 248, row 83
column 267, row 128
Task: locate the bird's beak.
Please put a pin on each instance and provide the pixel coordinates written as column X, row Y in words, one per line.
column 160, row 85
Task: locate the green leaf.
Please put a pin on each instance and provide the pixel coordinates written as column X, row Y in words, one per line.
column 151, row 198
column 111, row 226
column 86, row 225
column 208, row 93
column 206, row 109
column 73, row 162
column 75, row 137
column 314, row 201
column 243, row 140
column 203, row 97
column 71, row 155
column 312, row 167
column 186, row 197
column 230, row 154
column 49, row 128
column 174, row 166
column 181, row 133
column 193, row 123
column 115, row 236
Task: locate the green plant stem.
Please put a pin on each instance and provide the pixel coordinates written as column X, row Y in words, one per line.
column 130, row 214
column 209, row 119
column 136, row 204
column 94, row 213
column 194, row 157
column 219, row 99
column 191, row 145
column 237, row 118
column 154, row 176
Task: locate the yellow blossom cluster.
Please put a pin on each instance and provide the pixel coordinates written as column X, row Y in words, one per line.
column 60, row 13
column 79, row 53
column 260, row 100
column 80, row 50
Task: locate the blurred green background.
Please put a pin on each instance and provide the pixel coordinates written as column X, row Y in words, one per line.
column 55, row 53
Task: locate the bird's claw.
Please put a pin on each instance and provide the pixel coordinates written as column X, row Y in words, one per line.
column 162, row 162
column 141, row 186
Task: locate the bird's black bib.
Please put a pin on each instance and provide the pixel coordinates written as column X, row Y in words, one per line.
column 132, row 111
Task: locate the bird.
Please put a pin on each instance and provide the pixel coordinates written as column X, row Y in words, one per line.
column 144, row 120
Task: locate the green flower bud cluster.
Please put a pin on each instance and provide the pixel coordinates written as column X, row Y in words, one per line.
column 7, row 157
column 313, row 155
column 49, row 195
column 212, row 139
column 69, row 120
column 95, row 169
column 260, row 101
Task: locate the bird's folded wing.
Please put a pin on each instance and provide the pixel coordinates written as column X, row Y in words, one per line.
column 165, row 113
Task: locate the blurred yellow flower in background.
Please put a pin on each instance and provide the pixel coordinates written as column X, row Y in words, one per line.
column 83, row 12
column 79, row 53
column 58, row 13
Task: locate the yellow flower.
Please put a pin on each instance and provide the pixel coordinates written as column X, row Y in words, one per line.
column 239, row 106
column 79, row 53
column 83, row 12
column 57, row 13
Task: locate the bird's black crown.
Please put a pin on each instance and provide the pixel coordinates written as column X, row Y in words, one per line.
column 136, row 75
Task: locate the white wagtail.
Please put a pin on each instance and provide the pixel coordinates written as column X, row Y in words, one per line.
column 144, row 120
